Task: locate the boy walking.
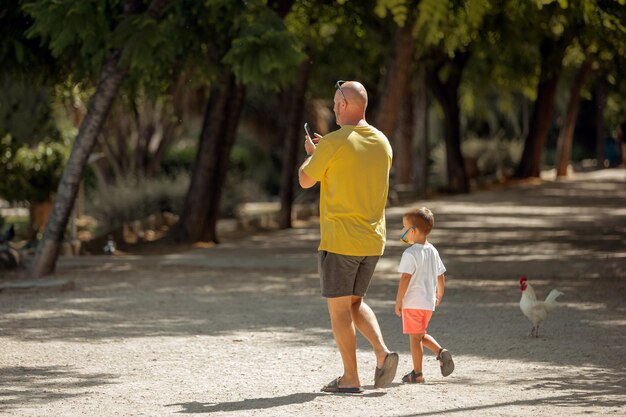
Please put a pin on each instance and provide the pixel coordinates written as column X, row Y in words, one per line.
column 420, row 290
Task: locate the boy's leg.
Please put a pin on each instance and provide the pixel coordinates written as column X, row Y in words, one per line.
column 339, row 309
column 445, row 358
column 432, row 345
column 365, row 320
column 417, row 351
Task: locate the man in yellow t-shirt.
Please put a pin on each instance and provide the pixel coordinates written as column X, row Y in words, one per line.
column 352, row 165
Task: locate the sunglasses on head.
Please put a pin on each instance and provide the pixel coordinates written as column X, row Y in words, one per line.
column 338, row 85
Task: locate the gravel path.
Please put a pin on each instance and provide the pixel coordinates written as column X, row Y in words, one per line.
column 241, row 330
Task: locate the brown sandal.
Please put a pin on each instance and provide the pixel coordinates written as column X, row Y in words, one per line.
column 413, row 378
column 445, row 362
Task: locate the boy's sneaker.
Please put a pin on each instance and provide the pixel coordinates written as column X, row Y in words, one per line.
column 445, row 362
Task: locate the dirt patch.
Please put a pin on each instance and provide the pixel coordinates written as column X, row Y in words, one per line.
column 240, row 328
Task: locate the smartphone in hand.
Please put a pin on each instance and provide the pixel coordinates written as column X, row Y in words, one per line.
column 310, row 134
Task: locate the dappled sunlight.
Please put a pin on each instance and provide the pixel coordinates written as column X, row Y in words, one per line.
column 36, row 385
column 45, row 314
column 259, row 299
column 497, row 222
column 586, row 307
column 607, row 324
column 103, row 300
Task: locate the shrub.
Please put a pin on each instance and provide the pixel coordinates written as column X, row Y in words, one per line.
column 30, row 173
column 137, row 198
column 495, row 157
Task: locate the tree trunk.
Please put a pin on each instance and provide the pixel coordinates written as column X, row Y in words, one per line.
column 200, row 213
column 99, row 105
column 543, row 110
column 421, row 127
column 525, row 128
column 293, row 138
column 566, row 136
column 447, row 93
column 225, row 146
column 396, row 80
column 600, row 99
column 405, row 156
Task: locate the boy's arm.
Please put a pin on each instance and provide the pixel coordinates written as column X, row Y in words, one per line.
column 441, row 284
column 404, row 284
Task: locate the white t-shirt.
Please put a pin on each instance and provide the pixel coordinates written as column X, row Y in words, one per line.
column 425, row 265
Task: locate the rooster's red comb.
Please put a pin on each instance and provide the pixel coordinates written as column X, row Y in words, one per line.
column 523, row 279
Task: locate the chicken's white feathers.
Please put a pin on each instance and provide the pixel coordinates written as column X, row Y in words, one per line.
column 537, row 311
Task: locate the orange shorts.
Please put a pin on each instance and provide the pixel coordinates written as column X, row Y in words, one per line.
column 415, row 321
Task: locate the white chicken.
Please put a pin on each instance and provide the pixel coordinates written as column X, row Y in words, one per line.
column 536, row 311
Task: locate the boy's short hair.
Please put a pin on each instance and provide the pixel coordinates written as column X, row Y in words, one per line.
column 422, row 218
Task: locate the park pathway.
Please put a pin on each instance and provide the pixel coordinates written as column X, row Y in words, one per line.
column 240, row 329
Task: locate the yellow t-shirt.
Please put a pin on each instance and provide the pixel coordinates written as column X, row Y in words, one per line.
column 352, row 165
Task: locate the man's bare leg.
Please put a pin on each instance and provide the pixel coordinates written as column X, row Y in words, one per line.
column 339, row 309
column 365, row 320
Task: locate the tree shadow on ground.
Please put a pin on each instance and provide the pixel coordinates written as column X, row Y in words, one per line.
column 588, row 390
column 259, row 403
column 269, row 283
column 46, row 384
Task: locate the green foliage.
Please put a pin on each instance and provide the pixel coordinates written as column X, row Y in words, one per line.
column 251, row 164
column 32, row 154
column 449, row 24
column 30, row 173
column 399, row 9
column 349, row 43
column 82, row 34
column 73, row 29
column 264, row 52
column 26, row 113
column 21, row 56
column 178, row 159
column 148, row 49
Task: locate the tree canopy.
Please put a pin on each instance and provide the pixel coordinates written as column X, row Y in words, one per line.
column 134, row 79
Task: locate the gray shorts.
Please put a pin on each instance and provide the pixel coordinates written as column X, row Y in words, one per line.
column 342, row 275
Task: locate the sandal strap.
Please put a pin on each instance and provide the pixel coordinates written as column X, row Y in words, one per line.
column 412, row 376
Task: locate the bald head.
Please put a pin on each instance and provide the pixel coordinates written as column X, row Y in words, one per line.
column 350, row 104
column 355, row 93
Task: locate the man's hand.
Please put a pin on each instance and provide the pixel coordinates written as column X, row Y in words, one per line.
column 399, row 309
column 309, row 145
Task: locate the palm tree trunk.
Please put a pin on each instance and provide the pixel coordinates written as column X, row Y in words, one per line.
column 99, row 105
